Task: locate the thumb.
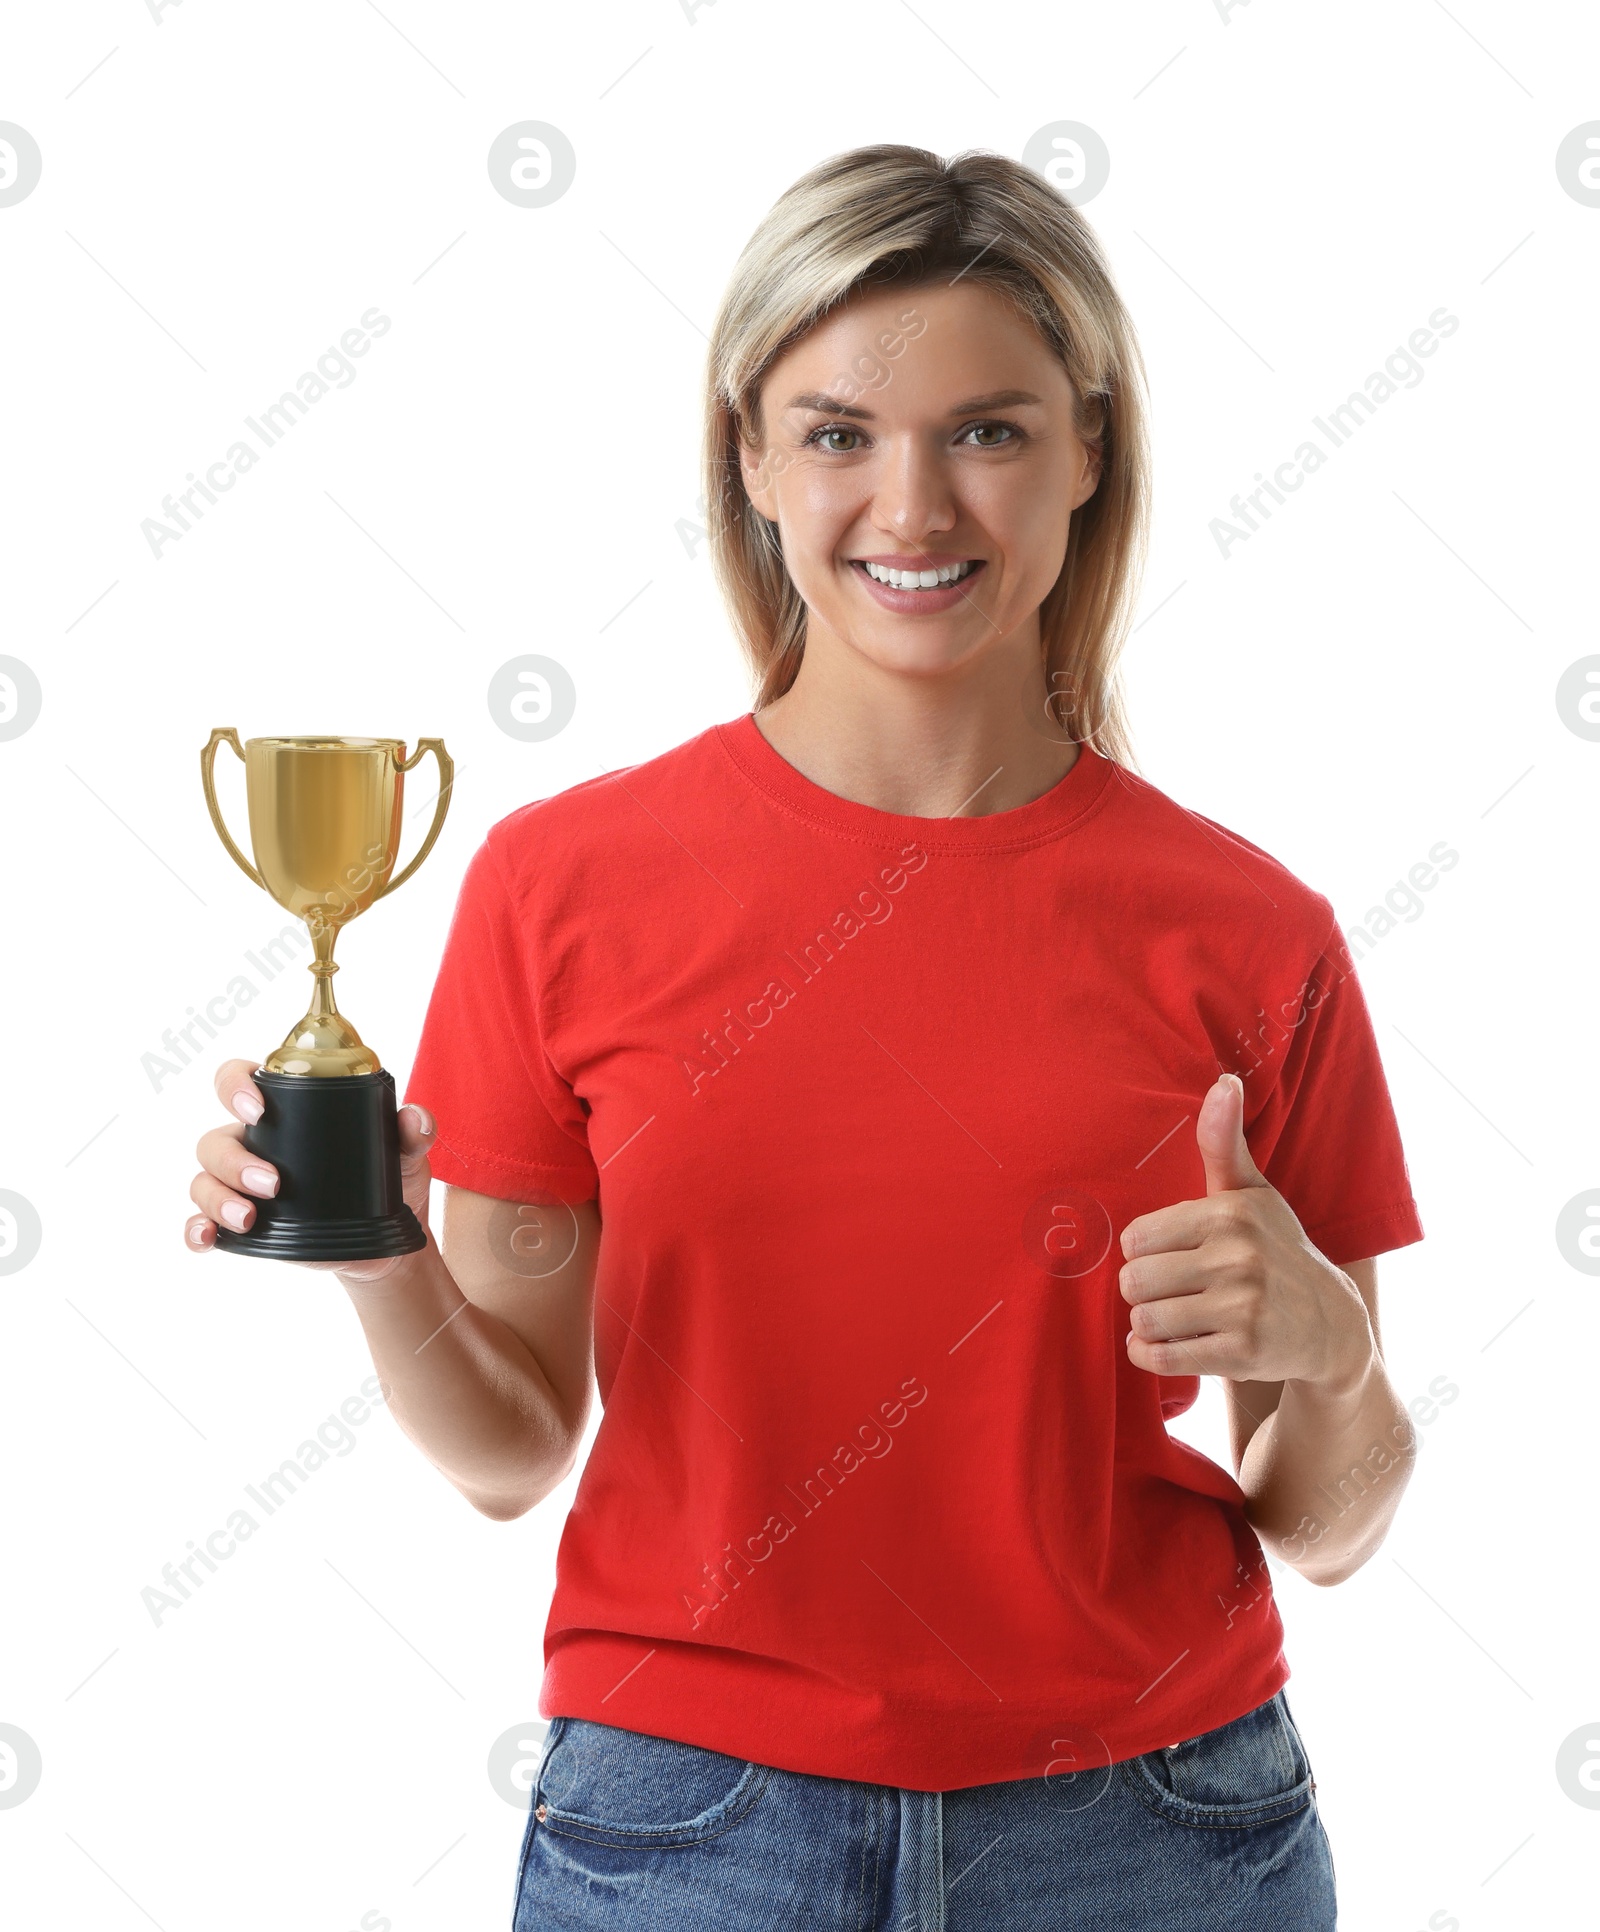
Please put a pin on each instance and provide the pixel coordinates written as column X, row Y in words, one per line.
column 1219, row 1132
column 417, row 1131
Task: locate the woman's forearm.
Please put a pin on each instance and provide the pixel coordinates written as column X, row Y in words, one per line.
column 1325, row 1471
column 463, row 1386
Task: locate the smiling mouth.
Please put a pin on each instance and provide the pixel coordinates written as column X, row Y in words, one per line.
column 940, row 579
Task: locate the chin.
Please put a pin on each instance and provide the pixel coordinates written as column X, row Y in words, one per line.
column 917, row 656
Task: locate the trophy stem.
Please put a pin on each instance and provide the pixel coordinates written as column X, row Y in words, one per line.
column 322, row 1042
column 322, row 969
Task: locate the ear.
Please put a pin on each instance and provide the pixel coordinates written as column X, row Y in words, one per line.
column 1089, row 482
column 755, row 467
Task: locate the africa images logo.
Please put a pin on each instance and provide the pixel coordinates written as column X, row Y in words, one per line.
column 869, row 1442
column 870, row 906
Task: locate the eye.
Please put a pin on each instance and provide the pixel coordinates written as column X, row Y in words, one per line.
column 814, row 440
column 982, row 435
column 979, row 430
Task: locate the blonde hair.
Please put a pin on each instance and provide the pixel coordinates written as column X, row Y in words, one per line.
column 902, row 215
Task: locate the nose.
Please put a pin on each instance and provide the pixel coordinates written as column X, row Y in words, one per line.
column 913, row 499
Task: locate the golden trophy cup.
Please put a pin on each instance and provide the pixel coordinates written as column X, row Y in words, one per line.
column 325, row 819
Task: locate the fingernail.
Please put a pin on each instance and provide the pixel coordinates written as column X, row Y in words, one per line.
column 424, row 1118
column 234, row 1214
column 259, row 1180
column 247, row 1107
column 197, row 1234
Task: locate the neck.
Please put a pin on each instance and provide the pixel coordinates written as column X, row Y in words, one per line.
column 952, row 744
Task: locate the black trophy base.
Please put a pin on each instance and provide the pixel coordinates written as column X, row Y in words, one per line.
column 335, row 1143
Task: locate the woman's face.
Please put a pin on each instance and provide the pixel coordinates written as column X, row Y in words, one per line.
column 925, row 430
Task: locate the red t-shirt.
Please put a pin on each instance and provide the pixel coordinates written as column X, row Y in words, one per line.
column 867, row 1100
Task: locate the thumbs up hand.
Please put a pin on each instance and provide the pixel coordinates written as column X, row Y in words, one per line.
column 1230, row 1285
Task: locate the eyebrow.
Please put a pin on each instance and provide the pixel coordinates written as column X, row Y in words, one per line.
column 825, row 405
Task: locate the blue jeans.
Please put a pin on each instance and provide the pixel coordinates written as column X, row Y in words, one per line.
column 640, row 1834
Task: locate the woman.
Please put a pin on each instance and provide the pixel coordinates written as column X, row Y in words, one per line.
column 951, row 1100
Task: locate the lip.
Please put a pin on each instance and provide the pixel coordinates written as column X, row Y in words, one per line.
column 917, row 603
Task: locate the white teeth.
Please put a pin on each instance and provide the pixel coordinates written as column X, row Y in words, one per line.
column 918, row 579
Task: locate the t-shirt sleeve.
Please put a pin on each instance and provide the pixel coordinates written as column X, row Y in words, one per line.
column 508, row 1124
column 1326, row 1136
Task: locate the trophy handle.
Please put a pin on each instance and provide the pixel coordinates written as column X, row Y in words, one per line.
column 447, row 768
column 225, row 734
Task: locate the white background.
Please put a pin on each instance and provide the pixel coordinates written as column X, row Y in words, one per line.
column 1293, row 191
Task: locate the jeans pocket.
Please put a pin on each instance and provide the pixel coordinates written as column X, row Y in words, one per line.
column 611, row 1786
column 1251, row 1771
